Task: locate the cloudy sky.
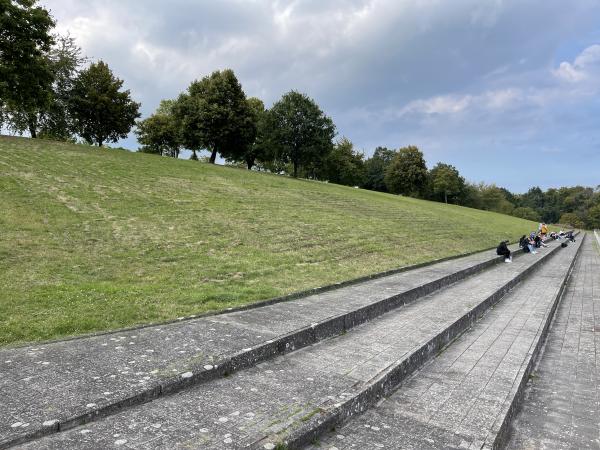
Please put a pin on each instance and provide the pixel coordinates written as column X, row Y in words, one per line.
column 506, row 90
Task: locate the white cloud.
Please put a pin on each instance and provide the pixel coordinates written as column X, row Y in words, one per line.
column 585, row 66
column 493, row 100
column 448, row 104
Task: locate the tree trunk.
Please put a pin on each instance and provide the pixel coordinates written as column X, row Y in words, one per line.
column 194, row 156
column 445, row 196
column 295, row 169
column 100, row 142
column 32, row 130
column 213, row 156
column 250, row 163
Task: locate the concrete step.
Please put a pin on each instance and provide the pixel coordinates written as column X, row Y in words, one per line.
column 467, row 396
column 58, row 385
column 295, row 397
column 561, row 408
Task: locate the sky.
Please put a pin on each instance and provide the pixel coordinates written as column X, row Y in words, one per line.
column 505, row 90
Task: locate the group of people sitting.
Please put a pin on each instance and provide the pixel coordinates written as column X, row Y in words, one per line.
column 534, row 241
column 531, row 242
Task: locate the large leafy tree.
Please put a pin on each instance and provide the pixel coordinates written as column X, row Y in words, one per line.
column 51, row 119
column 65, row 60
column 571, row 219
column 25, row 75
column 494, row 198
column 344, row 165
column 446, row 181
column 214, row 115
column 525, row 212
column 259, row 150
column 159, row 133
column 593, row 217
column 375, row 168
column 299, row 131
column 101, row 111
column 407, row 172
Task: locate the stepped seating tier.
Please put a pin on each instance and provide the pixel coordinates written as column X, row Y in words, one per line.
column 296, row 397
column 468, row 395
column 58, row 385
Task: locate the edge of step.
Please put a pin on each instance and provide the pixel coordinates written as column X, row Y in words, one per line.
column 249, row 357
column 391, row 378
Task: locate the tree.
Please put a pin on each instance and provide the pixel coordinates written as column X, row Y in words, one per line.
column 258, row 149
column 101, row 111
column 25, row 75
column 52, row 120
column 65, row 60
column 572, row 220
column 493, row 199
column 344, row 165
column 533, row 198
column 213, row 114
column 446, row 180
column 407, row 173
column 299, row 131
column 593, row 217
column 527, row 213
column 159, row 133
column 375, row 168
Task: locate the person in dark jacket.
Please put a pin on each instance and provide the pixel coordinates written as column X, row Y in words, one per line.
column 503, row 250
column 523, row 243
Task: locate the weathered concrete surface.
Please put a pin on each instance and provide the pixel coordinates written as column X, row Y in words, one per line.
column 461, row 399
column 562, row 405
column 69, row 382
column 279, row 396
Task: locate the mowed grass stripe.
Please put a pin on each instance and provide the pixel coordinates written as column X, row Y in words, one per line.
column 95, row 239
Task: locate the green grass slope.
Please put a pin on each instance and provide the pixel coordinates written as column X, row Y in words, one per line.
column 94, row 239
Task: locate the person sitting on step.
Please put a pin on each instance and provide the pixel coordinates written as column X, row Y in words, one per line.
column 523, row 243
column 503, row 250
column 531, row 245
column 539, row 242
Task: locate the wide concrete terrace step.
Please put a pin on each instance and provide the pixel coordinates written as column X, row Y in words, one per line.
column 561, row 409
column 58, row 385
column 466, row 397
column 295, row 397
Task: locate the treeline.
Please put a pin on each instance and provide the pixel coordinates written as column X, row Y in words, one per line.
column 48, row 89
column 296, row 138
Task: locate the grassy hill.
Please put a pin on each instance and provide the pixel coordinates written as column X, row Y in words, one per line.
column 94, row 239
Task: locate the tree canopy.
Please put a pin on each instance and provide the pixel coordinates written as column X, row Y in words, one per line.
column 375, row 168
column 407, row 173
column 52, row 120
column 258, row 149
column 214, row 115
column 300, row 132
column 344, row 165
column 101, row 111
column 446, row 181
column 25, row 73
column 159, row 133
